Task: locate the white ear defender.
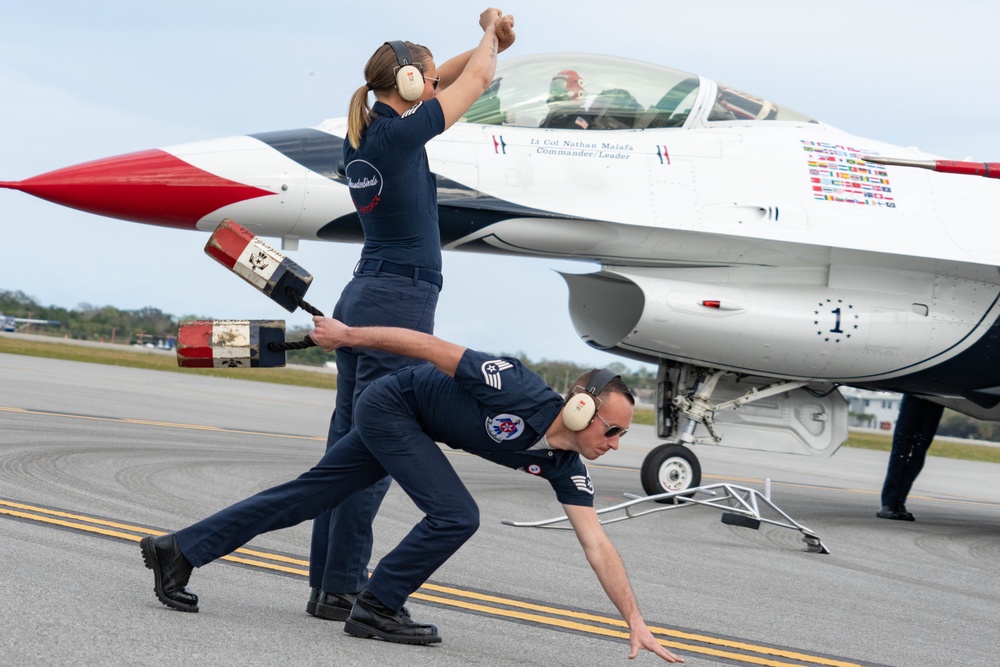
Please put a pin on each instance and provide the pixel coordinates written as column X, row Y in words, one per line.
column 581, row 408
column 409, row 78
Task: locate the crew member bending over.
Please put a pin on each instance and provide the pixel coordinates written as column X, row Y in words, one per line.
column 489, row 406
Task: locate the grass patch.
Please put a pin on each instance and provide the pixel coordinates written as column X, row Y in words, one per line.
column 944, row 448
column 161, row 362
column 645, row 416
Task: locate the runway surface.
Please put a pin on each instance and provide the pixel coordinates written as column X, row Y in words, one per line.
column 93, row 457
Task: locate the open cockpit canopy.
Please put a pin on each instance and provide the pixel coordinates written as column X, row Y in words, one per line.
column 578, row 91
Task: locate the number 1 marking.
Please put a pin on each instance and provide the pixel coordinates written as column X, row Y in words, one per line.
column 836, row 328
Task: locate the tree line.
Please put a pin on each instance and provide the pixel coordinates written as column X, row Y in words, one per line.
column 104, row 323
column 107, row 324
column 151, row 326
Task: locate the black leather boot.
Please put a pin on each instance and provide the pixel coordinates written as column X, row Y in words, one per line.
column 314, row 594
column 335, row 606
column 171, row 571
column 371, row 618
column 894, row 512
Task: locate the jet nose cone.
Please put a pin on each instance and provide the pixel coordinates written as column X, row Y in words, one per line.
column 151, row 186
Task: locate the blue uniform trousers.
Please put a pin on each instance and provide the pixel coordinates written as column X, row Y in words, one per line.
column 388, row 439
column 915, row 429
column 342, row 539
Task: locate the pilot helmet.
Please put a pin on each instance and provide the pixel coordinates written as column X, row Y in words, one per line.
column 567, row 85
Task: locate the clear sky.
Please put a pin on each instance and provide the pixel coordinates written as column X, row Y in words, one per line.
column 81, row 81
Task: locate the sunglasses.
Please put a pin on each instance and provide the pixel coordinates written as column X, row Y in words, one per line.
column 435, row 80
column 613, row 429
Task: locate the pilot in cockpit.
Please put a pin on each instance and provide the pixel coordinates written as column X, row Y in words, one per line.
column 567, row 102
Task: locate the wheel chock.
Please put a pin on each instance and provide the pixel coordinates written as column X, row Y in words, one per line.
column 731, row 519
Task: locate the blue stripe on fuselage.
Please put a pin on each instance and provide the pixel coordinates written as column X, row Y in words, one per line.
column 315, row 150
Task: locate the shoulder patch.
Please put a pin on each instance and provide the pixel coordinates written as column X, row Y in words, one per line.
column 583, row 483
column 411, row 110
column 492, row 369
column 504, row 427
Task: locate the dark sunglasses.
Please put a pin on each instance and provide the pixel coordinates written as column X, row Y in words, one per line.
column 435, row 80
column 613, row 429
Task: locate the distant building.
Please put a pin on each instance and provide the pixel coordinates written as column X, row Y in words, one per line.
column 872, row 409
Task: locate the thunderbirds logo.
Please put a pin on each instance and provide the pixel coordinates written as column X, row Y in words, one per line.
column 365, row 183
column 504, row 427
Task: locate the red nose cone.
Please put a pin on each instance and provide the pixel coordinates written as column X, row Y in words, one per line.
column 150, row 186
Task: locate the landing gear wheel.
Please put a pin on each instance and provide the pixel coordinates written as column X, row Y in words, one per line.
column 670, row 467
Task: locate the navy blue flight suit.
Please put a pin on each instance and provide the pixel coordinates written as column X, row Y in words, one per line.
column 396, row 283
column 494, row 408
column 915, row 429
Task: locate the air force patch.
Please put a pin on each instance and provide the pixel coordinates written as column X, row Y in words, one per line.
column 492, row 370
column 504, row 427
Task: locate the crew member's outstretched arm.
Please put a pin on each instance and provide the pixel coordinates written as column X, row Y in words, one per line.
column 607, row 564
column 450, row 70
column 458, row 93
column 329, row 334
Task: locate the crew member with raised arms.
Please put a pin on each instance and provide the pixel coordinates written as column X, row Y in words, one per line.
column 398, row 278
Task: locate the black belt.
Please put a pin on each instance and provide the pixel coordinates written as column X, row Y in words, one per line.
column 417, row 273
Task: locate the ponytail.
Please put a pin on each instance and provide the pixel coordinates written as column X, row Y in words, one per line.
column 359, row 116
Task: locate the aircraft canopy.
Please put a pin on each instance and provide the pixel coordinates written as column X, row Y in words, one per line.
column 578, row 91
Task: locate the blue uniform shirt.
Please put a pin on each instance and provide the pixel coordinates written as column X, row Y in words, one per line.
column 499, row 410
column 393, row 188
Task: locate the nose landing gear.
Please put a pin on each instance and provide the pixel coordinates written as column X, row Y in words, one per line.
column 683, row 403
column 670, row 467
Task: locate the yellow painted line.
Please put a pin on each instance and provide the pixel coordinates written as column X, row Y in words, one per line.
column 617, row 622
column 482, row 602
column 147, row 422
column 67, row 515
column 266, row 566
column 92, row 525
column 70, row 524
column 135, row 538
column 595, row 630
column 275, row 557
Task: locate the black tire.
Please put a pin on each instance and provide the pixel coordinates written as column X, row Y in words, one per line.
column 670, row 467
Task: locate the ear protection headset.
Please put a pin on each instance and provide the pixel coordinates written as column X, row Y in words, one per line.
column 409, row 77
column 581, row 408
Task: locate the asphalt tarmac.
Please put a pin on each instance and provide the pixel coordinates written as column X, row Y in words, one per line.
column 94, row 457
